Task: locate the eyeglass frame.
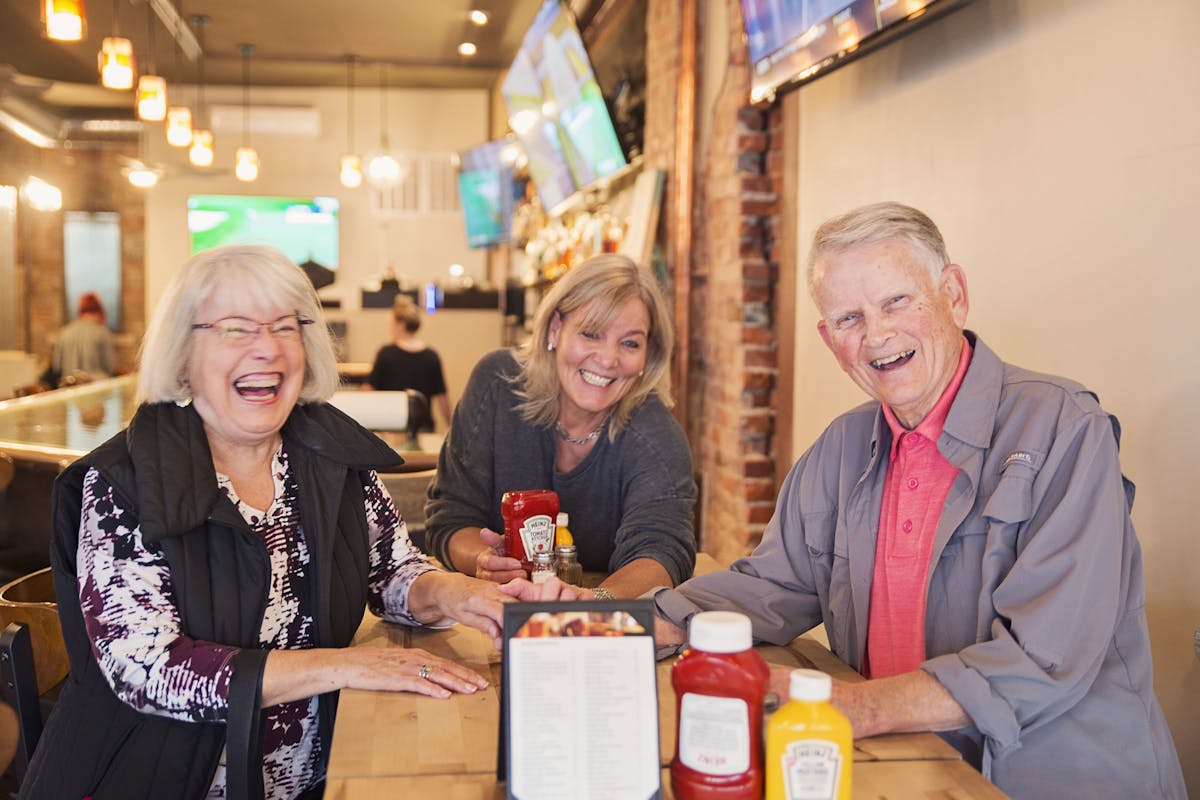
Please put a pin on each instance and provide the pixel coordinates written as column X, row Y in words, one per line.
column 257, row 330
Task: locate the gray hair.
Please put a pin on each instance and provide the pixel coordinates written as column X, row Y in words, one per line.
column 876, row 223
column 597, row 289
column 263, row 276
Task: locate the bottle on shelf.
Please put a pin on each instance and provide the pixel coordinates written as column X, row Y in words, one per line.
column 810, row 746
column 720, row 684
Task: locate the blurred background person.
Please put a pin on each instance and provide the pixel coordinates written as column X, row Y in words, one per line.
column 581, row 408
column 82, row 345
column 216, row 556
column 409, row 363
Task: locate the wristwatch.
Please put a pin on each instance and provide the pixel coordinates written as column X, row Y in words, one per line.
column 600, row 593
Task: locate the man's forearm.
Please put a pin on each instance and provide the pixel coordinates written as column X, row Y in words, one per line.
column 914, row 701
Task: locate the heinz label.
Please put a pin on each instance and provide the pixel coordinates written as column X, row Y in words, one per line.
column 537, row 534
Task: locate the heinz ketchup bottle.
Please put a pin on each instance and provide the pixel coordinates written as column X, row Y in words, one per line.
column 720, row 683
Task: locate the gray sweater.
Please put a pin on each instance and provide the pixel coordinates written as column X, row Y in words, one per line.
column 629, row 498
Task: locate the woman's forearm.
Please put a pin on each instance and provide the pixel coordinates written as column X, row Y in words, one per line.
column 636, row 578
column 464, row 548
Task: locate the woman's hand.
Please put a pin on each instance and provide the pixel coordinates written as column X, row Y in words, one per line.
column 439, row 595
column 552, row 589
column 296, row 674
column 491, row 564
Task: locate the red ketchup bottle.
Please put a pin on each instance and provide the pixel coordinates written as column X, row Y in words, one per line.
column 720, row 683
column 529, row 524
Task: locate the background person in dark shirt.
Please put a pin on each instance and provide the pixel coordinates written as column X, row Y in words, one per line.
column 409, row 363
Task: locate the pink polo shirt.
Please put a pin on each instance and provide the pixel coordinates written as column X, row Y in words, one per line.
column 914, row 491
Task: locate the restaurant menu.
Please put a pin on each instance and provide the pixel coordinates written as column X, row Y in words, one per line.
column 579, row 704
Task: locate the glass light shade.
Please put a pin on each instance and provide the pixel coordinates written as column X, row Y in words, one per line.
column 116, row 63
column 63, row 19
column 246, row 164
column 201, row 152
column 351, row 174
column 152, row 98
column 142, row 177
column 383, row 170
column 179, row 126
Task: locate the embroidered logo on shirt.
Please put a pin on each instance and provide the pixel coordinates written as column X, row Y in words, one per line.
column 1021, row 456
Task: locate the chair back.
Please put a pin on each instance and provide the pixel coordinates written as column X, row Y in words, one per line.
column 30, row 599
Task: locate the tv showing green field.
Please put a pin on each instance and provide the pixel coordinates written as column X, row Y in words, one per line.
column 304, row 228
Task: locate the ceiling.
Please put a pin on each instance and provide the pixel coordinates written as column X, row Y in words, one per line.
column 408, row 43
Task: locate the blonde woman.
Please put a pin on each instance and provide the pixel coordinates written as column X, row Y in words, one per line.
column 581, row 409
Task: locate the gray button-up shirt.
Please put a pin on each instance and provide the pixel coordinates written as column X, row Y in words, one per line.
column 1035, row 618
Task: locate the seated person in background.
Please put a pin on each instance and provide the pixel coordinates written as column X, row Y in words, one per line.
column 409, row 363
column 215, row 558
column 83, row 345
column 581, row 409
column 965, row 538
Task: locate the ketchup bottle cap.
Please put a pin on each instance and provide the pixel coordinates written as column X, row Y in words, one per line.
column 720, row 632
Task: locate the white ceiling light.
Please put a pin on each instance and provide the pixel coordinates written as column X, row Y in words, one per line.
column 40, row 195
column 478, row 17
column 467, row 49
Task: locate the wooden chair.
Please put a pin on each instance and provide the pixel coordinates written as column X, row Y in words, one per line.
column 33, row 656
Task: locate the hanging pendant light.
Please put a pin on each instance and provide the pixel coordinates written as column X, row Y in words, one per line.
column 246, row 159
column 179, row 126
column 151, row 88
column 116, row 57
column 200, row 154
column 351, row 173
column 383, row 170
column 64, row 20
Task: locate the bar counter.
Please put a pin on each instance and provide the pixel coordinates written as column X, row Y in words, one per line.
column 398, row 744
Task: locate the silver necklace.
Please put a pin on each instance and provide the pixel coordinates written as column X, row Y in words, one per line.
column 566, row 437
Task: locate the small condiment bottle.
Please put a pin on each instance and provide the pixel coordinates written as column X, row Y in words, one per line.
column 720, row 684
column 810, row 747
column 543, row 567
column 566, row 564
column 562, row 534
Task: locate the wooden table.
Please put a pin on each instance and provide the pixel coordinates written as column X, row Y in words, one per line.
column 392, row 744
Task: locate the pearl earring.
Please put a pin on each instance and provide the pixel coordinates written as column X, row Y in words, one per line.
column 550, row 346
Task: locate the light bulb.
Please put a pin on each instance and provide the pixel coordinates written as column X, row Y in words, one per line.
column 152, row 98
column 63, row 19
column 179, row 126
column 40, row 195
column 116, row 63
column 246, row 164
column 201, row 152
column 351, row 173
column 384, row 170
column 142, row 177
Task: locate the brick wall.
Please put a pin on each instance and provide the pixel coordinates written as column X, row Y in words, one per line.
column 734, row 270
column 90, row 180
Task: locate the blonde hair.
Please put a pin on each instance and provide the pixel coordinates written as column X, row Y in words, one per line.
column 596, row 289
column 261, row 275
column 876, row 223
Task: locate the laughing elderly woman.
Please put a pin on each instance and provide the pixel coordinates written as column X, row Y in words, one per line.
column 215, row 558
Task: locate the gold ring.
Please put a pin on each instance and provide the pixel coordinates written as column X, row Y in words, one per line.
column 425, row 670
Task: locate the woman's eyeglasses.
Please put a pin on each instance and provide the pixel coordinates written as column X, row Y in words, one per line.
column 239, row 330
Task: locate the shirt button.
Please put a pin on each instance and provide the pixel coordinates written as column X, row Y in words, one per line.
column 907, row 526
column 913, row 483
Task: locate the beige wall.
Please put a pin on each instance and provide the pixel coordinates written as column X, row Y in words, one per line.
column 419, row 247
column 1057, row 145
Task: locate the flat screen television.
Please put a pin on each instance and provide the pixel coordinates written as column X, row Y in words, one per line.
column 557, row 110
column 304, row 228
column 489, row 191
column 794, row 41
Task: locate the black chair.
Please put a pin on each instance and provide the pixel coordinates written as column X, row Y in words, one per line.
column 19, row 690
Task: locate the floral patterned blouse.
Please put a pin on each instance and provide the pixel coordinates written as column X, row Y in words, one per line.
column 126, row 595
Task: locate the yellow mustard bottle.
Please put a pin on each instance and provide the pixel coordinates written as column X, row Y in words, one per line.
column 810, row 747
column 562, row 536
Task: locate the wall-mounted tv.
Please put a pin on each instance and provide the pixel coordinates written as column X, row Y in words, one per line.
column 489, row 190
column 557, row 110
column 794, row 41
column 304, row 228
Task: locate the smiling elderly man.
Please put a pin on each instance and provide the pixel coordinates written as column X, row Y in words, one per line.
column 965, row 538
